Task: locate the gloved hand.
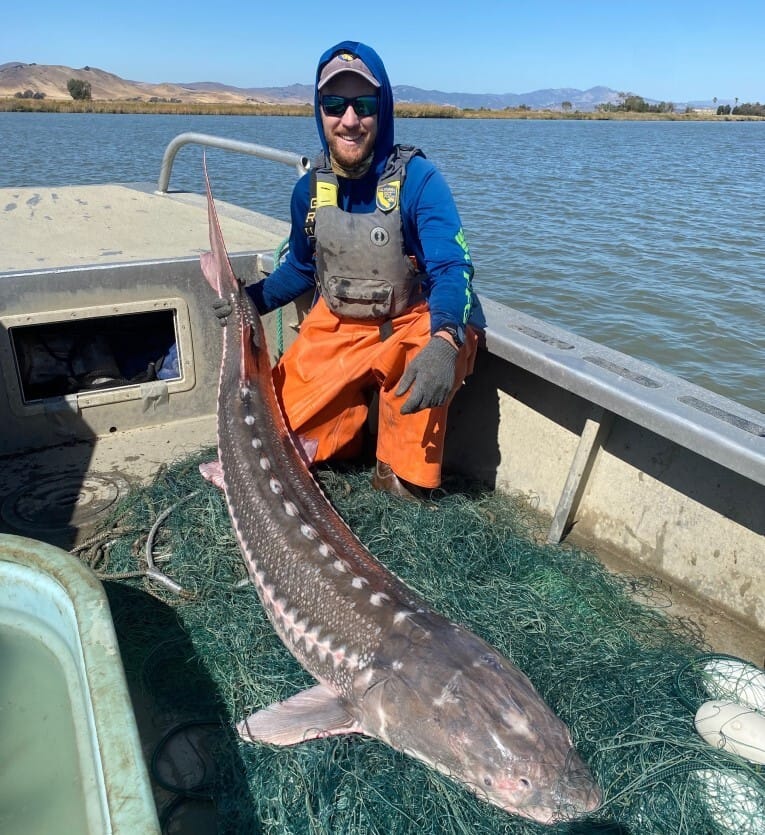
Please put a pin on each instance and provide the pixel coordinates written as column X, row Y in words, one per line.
column 430, row 375
column 222, row 309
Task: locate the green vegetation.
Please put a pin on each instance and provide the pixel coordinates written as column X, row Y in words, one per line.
column 29, row 94
column 630, row 103
column 637, row 104
column 78, row 90
column 756, row 109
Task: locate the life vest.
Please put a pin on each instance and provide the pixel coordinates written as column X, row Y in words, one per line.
column 362, row 269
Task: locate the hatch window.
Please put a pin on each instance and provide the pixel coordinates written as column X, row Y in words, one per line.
column 60, row 358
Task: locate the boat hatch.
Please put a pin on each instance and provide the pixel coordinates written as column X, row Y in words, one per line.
column 58, row 358
column 69, row 360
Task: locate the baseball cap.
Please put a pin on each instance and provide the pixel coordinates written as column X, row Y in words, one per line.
column 346, row 62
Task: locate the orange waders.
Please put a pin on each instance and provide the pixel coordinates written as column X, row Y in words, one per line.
column 323, row 380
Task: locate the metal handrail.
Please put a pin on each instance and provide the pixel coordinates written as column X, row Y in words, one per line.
column 301, row 163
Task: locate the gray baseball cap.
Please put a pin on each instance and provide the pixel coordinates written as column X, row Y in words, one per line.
column 346, row 62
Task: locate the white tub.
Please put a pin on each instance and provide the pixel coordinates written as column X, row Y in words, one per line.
column 56, row 632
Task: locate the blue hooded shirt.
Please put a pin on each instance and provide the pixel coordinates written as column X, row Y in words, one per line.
column 432, row 227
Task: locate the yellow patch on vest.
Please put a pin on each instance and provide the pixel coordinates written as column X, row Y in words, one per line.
column 326, row 194
column 387, row 196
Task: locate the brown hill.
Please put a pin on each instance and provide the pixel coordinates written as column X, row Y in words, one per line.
column 51, row 80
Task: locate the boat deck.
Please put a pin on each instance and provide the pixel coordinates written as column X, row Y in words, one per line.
column 74, row 226
column 109, row 253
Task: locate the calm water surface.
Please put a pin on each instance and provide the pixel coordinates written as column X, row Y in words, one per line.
column 41, row 784
column 646, row 236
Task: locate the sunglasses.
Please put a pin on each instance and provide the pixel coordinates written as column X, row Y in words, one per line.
column 337, row 105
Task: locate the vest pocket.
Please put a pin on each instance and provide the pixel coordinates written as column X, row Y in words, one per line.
column 358, row 298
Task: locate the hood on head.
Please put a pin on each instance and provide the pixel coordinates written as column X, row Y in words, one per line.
column 385, row 140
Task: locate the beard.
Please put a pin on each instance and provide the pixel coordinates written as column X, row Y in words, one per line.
column 350, row 156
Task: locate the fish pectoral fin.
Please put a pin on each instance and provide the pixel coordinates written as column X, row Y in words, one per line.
column 309, row 447
column 310, row 714
column 213, row 472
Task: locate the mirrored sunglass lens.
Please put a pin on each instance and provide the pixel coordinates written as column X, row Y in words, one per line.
column 365, row 105
column 334, row 105
column 337, row 105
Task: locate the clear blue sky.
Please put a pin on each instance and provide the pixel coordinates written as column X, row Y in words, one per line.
column 673, row 51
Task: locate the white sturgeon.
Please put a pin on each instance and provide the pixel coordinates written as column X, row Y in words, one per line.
column 386, row 664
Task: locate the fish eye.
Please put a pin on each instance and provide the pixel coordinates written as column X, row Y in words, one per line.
column 524, row 783
column 487, row 781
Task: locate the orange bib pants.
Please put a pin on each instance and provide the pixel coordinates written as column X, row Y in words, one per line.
column 323, row 383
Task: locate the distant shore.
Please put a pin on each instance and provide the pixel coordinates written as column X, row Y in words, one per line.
column 403, row 111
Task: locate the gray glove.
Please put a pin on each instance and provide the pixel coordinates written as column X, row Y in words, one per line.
column 222, row 309
column 430, row 375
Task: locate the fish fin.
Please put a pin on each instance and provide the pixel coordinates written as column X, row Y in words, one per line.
column 213, row 472
column 310, row 714
column 210, row 270
column 309, row 447
column 250, row 350
column 215, row 265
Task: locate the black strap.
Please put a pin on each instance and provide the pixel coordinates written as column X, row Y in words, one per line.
column 320, row 163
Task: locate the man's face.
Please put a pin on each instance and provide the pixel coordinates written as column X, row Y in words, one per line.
column 351, row 138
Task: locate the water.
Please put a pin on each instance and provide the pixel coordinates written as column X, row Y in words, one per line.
column 646, row 236
column 41, row 788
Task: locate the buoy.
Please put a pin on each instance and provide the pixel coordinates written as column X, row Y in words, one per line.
column 729, row 679
column 733, row 727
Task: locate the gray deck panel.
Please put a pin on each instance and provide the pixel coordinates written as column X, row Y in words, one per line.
column 72, row 226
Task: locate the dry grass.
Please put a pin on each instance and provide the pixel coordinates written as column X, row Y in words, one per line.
column 132, row 106
column 403, row 110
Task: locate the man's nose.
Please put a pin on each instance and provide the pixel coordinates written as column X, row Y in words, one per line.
column 350, row 117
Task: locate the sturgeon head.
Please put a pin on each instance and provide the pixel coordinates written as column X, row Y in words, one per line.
column 449, row 699
column 387, row 665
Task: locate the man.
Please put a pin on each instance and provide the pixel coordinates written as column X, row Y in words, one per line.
column 376, row 232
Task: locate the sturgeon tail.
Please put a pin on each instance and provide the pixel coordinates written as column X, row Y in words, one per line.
column 217, row 269
column 215, row 264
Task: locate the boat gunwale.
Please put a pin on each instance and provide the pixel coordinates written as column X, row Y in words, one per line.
column 565, row 359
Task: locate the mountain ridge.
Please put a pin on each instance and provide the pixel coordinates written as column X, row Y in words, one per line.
column 50, row 81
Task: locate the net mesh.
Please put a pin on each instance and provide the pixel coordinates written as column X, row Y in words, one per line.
column 613, row 665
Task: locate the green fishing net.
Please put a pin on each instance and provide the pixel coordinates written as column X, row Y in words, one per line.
column 621, row 673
